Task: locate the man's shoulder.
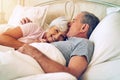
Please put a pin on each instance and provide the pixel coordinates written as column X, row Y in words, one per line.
column 77, row 40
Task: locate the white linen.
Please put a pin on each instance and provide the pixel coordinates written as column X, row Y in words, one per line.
column 112, row 10
column 49, row 76
column 105, row 62
column 4, row 27
column 14, row 65
column 36, row 14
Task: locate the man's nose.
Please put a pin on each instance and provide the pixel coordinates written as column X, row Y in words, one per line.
column 69, row 24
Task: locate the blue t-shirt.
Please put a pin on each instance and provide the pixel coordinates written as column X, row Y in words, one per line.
column 75, row 46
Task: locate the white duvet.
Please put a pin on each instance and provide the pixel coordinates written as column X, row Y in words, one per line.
column 15, row 65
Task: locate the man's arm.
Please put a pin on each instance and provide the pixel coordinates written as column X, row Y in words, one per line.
column 9, row 38
column 76, row 67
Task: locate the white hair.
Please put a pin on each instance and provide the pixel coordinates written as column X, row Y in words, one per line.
column 60, row 23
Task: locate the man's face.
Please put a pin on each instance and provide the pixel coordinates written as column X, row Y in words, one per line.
column 75, row 26
column 54, row 34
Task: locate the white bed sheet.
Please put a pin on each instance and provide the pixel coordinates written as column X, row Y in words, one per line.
column 14, row 65
column 4, row 27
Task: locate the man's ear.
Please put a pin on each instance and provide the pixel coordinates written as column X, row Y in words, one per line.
column 85, row 28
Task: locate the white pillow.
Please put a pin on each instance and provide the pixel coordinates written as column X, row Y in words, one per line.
column 4, row 27
column 112, row 10
column 36, row 14
column 105, row 62
column 14, row 65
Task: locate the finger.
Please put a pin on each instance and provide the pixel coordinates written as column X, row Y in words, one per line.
column 23, row 21
column 27, row 20
column 21, row 49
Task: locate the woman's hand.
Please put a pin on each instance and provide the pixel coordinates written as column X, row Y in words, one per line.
column 25, row 20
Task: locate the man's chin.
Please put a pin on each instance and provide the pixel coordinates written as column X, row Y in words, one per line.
column 69, row 35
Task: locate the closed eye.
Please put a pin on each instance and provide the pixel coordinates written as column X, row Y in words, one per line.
column 57, row 31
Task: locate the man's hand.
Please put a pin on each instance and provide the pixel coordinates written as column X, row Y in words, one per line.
column 29, row 50
column 23, row 48
column 25, row 20
column 26, row 49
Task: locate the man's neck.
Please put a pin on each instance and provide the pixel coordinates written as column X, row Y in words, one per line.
column 82, row 36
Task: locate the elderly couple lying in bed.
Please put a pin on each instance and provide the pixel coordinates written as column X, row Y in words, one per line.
column 76, row 49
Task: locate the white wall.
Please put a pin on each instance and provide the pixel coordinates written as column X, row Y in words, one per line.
column 8, row 6
column 36, row 2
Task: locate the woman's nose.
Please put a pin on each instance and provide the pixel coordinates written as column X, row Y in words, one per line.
column 57, row 36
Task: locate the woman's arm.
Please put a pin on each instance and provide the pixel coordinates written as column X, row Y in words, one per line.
column 10, row 38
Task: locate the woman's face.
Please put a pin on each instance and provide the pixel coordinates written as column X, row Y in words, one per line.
column 54, row 34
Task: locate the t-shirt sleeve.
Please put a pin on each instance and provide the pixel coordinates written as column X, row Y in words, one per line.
column 84, row 48
column 29, row 28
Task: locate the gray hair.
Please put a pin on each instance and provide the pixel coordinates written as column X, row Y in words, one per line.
column 91, row 20
column 61, row 23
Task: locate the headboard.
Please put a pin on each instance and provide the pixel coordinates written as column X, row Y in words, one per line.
column 70, row 8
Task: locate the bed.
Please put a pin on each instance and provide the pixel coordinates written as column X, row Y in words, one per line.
column 105, row 62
